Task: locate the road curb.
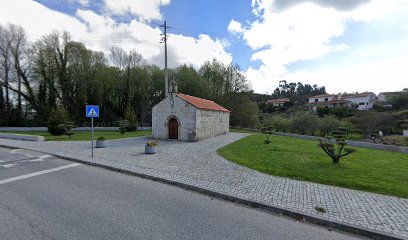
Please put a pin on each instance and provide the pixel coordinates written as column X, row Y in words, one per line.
column 252, row 203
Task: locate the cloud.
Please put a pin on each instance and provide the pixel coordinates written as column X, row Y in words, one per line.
column 299, row 33
column 343, row 5
column 37, row 19
column 383, row 75
column 101, row 32
column 235, row 27
column 310, row 30
column 145, row 10
column 84, row 3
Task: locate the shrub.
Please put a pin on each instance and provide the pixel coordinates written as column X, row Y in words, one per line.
column 130, row 116
column 335, row 148
column 328, row 124
column 395, row 140
column 278, row 123
column 268, row 132
column 58, row 117
column 68, row 126
column 123, row 126
column 304, row 123
column 101, row 138
column 370, row 122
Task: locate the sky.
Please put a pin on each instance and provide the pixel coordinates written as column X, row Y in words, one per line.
column 345, row 45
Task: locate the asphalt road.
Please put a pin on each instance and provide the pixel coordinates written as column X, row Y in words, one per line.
column 43, row 197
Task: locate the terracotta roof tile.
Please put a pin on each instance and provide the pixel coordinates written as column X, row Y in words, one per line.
column 202, row 103
column 356, row 95
column 323, row 95
column 327, row 103
column 279, row 100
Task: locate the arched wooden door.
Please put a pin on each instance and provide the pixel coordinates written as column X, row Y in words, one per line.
column 173, row 128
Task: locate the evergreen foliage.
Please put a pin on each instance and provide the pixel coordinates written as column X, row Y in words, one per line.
column 57, row 120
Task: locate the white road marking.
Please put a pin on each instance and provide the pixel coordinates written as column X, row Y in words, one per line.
column 44, row 156
column 7, row 180
column 9, row 165
column 33, row 160
column 36, row 160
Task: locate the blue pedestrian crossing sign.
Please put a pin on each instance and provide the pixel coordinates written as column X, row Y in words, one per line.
column 92, row 111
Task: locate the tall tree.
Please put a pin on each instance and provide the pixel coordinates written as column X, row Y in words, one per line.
column 5, row 68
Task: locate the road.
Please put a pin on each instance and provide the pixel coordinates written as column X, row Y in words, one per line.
column 43, row 197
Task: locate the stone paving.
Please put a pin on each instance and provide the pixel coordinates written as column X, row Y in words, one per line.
column 198, row 164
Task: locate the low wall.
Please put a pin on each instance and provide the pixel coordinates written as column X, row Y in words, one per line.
column 22, row 137
column 23, row 129
column 350, row 143
column 378, row 146
column 35, row 129
column 307, row 137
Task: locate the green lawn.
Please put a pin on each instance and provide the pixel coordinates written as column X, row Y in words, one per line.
column 86, row 135
column 366, row 169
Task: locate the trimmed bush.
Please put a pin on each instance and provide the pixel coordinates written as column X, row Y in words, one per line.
column 130, row 115
column 57, row 120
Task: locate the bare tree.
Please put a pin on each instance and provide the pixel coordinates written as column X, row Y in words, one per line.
column 125, row 62
column 5, row 67
column 19, row 55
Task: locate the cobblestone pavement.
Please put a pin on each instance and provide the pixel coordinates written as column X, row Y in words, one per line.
column 198, row 164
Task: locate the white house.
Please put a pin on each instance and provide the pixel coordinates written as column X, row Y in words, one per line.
column 188, row 118
column 385, row 96
column 362, row 101
column 325, row 101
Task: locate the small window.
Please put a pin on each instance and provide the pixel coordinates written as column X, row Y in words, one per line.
column 326, row 99
column 316, row 100
column 361, row 103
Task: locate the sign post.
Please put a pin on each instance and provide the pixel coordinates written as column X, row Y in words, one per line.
column 92, row 112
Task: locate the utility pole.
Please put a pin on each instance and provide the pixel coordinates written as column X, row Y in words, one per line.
column 166, row 74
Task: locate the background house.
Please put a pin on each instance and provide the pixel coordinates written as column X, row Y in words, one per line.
column 325, row 101
column 362, row 101
column 386, row 96
column 277, row 102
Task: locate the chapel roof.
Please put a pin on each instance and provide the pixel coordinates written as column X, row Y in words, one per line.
column 202, row 103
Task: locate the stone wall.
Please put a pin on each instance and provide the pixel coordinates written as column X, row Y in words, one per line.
column 184, row 112
column 211, row 123
column 22, row 137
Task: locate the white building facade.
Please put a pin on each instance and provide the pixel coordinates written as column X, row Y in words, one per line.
column 187, row 118
column 363, row 101
column 360, row 101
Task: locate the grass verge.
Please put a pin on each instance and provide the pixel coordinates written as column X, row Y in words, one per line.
column 85, row 135
column 367, row 169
